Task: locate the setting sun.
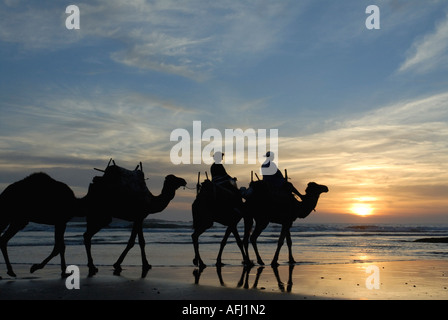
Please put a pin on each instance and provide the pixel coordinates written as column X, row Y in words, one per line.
column 362, row 209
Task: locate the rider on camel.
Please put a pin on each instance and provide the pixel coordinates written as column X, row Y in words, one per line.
column 274, row 178
column 222, row 179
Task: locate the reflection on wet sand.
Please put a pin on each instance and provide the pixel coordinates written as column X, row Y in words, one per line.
column 244, row 280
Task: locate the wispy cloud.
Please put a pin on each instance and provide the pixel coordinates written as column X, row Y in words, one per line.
column 406, row 131
column 34, row 26
column 189, row 38
column 429, row 52
column 97, row 125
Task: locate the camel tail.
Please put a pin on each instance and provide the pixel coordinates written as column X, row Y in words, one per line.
column 3, row 218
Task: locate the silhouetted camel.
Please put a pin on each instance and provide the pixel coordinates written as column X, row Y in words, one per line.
column 264, row 208
column 215, row 204
column 41, row 199
column 107, row 199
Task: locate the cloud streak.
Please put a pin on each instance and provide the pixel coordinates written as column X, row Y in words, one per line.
column 189, row 38
column 97, row 125
column 429, row 52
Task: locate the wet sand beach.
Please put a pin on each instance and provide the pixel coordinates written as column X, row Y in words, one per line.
column 398, row 280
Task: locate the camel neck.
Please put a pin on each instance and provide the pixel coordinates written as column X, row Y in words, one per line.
column 310, row 201
column 160, row 202
column 307, row 205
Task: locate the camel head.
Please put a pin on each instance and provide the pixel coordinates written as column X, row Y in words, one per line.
column 315, row 189
column 174, row 182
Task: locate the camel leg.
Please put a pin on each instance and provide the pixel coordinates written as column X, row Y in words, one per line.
column 248, row 223
column 281, row 240
column 9, row 233
column 257, row 277
column 92, row 228
column 141, row 241
column 197, row 261
column 239, row 242
column 289, row 243
column 221, row 248
column 219, row 273
column 253, row 239
column 197, row 274
column 280, row 284
column 131, row 242
column 3, row 226
column 289, row 287
column 59, row 248
column 244, row 279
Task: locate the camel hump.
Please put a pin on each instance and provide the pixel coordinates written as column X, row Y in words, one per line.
column 38, row 188
column 41, row 180
column 36, row 182
column 39, row 177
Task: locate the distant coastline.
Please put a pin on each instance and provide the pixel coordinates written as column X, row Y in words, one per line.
column 433, row 240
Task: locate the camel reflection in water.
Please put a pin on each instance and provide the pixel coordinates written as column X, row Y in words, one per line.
column 244, row 281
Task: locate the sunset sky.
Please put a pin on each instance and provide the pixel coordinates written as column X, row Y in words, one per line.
column 364, row 112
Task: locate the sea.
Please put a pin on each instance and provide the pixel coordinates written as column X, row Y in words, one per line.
column 168, row 243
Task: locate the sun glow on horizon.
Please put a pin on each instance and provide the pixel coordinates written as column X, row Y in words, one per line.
column 362, row 209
